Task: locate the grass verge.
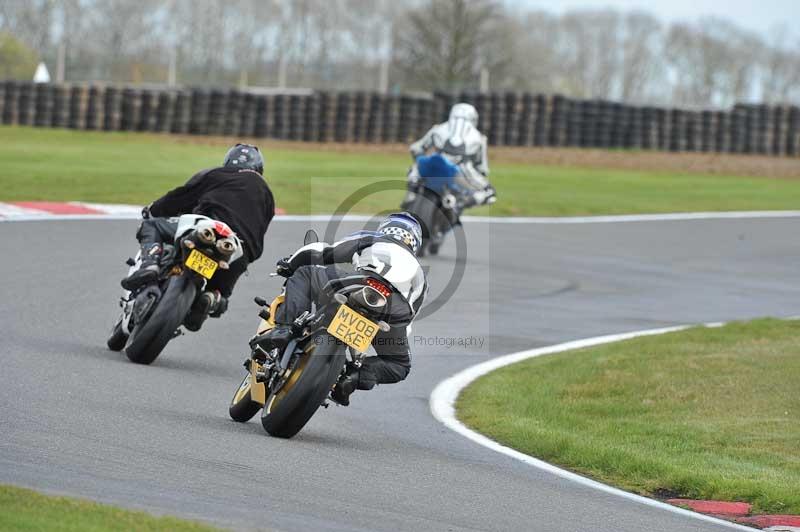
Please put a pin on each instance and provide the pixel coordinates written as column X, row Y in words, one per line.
column 26, row 510
column 706, row 413
column 62, row 165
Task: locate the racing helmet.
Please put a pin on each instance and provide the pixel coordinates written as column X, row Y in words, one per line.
column 464, row 111
column 404, row 228
column 245, row 157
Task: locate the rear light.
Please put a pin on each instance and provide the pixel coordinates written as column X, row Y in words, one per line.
column 372, row 297
column 379, row 286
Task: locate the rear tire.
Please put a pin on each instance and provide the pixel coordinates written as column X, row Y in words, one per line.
column 148, row 339
column 424, row 207
column 116, row 341
column 242, row 408
column 319, row 368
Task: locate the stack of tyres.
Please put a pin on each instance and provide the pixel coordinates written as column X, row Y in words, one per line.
column 131, row 109
column 374, row 122
column 182, row 112
column 737, row 128
column 198, row 121
column 147, row 112
column 723, row 131
column 358, row 102
column 232, row 115
column 112, row 109
column 575, row 123
column 281, row 117
column 634, row 136
column 216, row 114
column 513, row 113
column 677, row 129
column 326, row 117
column 391, row 119
column 343, row 130
column 527, row 120
column 409, row 113
column 43, row 105
column 25, row 104
column 793, row 132
column 620, row 123
column 425, row 116
column 542, row 114
column 95, row 108
column 497, row 124
column 78, row 100
column 261, row 127
column 165, row 107
column 560, row 108
column 247, row 115
column 296, row 114
column 708, row 131
column 11, row 102
column 693, row 131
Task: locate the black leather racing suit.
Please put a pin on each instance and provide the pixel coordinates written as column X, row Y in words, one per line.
column 240, row 198
column 314, row 266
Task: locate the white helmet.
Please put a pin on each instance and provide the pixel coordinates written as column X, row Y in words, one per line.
column 464, row 111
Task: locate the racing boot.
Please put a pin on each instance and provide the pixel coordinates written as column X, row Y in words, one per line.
column 210, row 303
column 148, row 270
column 346, row 386
column 276, row 338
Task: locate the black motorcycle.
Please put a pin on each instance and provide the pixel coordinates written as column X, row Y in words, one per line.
column 152, row 315
column 291, row 384
column 436, row 200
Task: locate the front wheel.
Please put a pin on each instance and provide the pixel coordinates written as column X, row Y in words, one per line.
column 243, row 408
column 315, row 372
column 148, row 339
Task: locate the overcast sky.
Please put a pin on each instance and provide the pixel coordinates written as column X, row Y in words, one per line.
column 756, row 15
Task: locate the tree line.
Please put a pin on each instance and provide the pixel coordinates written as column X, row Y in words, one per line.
column 388, row 46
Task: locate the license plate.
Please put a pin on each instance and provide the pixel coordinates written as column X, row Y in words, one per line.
column 353, row 329
column 205, row 266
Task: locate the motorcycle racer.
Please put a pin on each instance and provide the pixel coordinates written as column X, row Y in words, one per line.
column 460, row 141
column 234, row 193
column 391, row 252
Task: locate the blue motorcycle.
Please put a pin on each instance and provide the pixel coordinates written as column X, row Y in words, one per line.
column 436, row 200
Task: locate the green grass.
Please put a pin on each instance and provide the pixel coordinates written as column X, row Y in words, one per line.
column 703, row 413
column 57, row 165
column 26, row 510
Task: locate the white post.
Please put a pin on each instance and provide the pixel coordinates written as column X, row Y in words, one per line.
column 172, row 73
column 60, row 61
column 383, row 75
column 282, row 72
column 172, row 69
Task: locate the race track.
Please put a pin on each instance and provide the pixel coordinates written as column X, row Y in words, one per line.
column 78, row 419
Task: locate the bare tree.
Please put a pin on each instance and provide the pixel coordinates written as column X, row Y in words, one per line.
column 439, row 45
column 780, row 68
column 641, row 62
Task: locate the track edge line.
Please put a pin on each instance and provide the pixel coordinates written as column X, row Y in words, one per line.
column 442, row 406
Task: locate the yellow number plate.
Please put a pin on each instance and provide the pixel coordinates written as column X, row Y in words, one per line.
column 353, row 329
column 205, row 266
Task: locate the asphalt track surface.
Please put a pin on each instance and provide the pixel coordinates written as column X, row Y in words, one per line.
column 78, row 419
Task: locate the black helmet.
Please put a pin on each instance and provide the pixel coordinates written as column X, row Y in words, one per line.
column 404, row 228
column 245, row 156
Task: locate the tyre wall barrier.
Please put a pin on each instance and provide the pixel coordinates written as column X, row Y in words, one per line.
column 507, row 118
